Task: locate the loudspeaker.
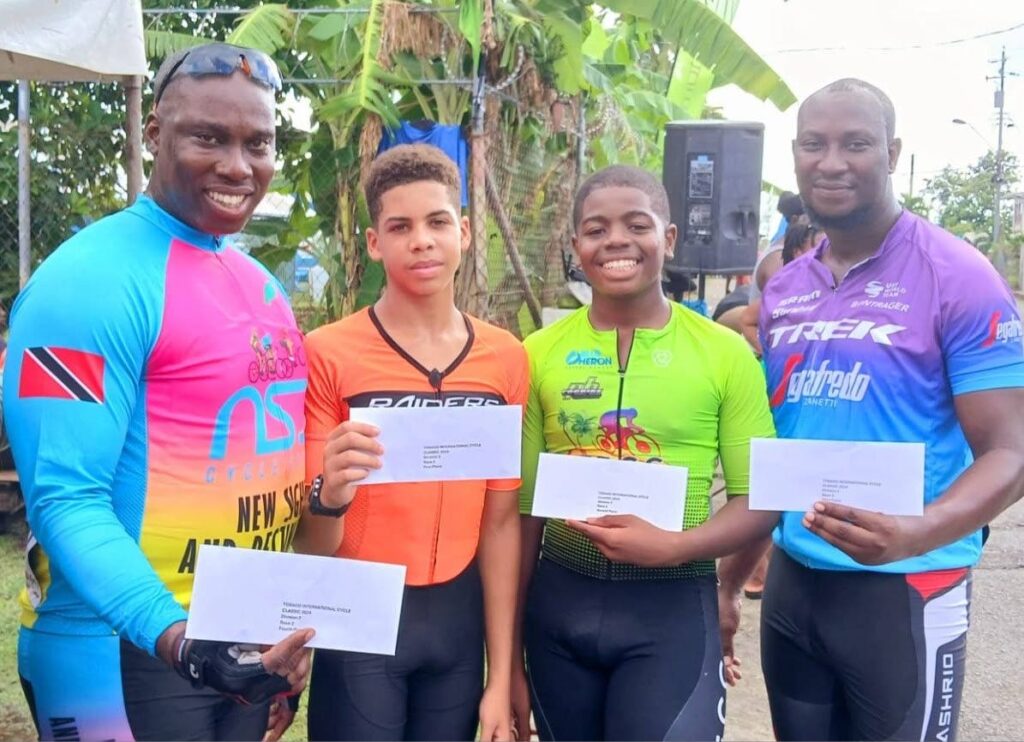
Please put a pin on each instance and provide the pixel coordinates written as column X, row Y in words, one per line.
column 712, row 172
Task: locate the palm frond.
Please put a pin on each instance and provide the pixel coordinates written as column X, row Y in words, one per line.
column 161, row 44
column 699, row 31
column 369, row 91
column 267, row 28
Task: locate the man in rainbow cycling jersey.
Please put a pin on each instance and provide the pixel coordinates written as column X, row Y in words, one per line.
column 139, row 435
column 891, row 330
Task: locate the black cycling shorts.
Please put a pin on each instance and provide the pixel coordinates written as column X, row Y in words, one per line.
column 624, row 659
column 430, row 689
column 100, row 687
column 864, row 655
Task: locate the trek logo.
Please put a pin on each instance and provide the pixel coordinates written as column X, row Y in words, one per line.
column 1002, row 332
column 589, row 389
column 839, row 329
column 587, row 358
column 822, row 386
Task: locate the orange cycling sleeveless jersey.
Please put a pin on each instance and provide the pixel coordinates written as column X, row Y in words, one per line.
column 433, row 528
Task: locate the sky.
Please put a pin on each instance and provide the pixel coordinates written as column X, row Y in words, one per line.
column 903, row 47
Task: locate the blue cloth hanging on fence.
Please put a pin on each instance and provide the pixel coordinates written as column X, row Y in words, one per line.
column 698, row 305
column 446, row 137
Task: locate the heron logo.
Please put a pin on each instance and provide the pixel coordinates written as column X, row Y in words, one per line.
column 587, row 358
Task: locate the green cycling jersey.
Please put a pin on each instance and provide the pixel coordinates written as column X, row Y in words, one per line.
column 690, row 394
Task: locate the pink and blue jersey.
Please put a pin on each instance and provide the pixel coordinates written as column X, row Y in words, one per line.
column 154, row 397
column 881, row 356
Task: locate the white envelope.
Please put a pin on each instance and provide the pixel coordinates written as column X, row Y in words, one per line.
column 793, row 474
column 442, row 444
column 251, row 596
column 579, row 487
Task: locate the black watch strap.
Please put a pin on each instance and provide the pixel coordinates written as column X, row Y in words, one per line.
column 316, row 507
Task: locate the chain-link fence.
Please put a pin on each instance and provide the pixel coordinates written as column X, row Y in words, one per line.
column 530, row 187
column 76, row 176
column 303, row 230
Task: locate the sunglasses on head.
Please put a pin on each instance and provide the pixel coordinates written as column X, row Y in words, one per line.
column 224, row 60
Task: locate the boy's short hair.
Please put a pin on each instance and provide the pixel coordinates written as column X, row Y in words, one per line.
column 625, row 176
column 410, row 163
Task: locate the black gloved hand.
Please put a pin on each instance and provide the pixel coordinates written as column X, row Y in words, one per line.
column 236, row 670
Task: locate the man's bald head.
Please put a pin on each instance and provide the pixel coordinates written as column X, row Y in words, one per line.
column 852, row 85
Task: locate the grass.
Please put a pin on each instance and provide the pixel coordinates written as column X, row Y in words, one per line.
column 15, row 720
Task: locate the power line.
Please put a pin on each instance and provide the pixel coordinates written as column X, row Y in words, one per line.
column 948, row 42
column 294, row 11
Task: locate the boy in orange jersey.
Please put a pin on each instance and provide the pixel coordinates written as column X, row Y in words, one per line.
column 459, row 540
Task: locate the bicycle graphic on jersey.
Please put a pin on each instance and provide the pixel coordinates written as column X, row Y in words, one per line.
column 270, row 364
column 620, row 433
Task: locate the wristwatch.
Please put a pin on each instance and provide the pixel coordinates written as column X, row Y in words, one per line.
column 316, row 507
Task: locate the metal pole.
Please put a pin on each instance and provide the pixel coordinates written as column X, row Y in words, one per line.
column 999, row 259
column 24, row 186
column 475, row 299
column 581, row 141
column 133, row 135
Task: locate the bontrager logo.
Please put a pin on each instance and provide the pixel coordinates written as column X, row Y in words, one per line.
column 822, row 386
column 840, row 329
column 587, row 358
column 1002, row 332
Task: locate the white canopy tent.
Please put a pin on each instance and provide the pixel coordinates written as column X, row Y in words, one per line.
column 75, row 41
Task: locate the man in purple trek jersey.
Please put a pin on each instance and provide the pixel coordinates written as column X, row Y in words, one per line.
column 891, row 330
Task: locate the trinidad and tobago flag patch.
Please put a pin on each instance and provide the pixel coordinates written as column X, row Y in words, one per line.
column 61, row 373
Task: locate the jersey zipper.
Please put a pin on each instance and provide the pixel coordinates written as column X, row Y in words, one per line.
column 436, row 380
column 623, row 365
column 434, row 377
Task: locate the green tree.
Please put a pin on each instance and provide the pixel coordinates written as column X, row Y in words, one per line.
column 77, row 140
column 917, row 204
column 637, row 65
column 964, row 198
column 77, row 146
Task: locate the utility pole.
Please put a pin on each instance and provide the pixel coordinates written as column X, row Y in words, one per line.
column 997, row 221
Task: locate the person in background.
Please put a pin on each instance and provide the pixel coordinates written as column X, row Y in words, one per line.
column 791, row 207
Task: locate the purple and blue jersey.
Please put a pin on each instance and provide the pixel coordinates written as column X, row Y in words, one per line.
column 881, row 357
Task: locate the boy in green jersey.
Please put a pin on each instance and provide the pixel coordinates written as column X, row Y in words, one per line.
column 621, row 618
